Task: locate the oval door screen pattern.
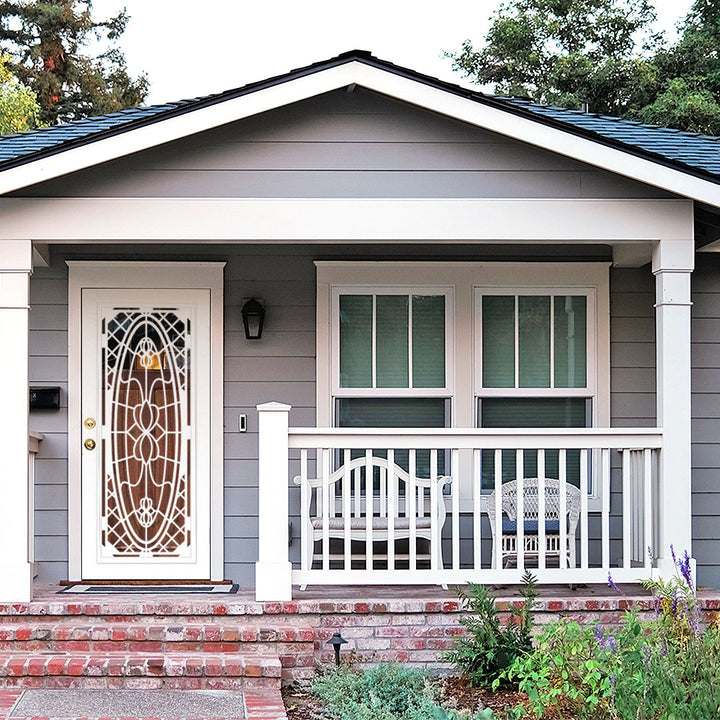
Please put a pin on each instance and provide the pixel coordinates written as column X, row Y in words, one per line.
column 146, row 494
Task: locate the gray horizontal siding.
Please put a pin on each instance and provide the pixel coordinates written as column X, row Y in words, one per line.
column 706, row 418
column 281, row 367
column 345, row 145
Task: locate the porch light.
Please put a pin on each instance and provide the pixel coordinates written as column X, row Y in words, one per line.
column 253, row 315
column 336, row 641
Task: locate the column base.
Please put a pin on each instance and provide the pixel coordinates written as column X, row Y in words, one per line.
column 16, row 582
column 273, row 581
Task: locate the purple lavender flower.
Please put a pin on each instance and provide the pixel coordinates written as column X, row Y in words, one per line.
column 684, row 567
column 674, row 604
column 612, row 584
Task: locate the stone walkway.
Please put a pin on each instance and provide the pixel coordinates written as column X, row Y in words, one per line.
column 264, row 704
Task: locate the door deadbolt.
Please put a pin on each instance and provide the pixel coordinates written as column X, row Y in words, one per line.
column 90, row 444
column 89, row 423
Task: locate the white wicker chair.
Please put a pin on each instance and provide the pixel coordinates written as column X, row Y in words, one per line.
column 508, row 507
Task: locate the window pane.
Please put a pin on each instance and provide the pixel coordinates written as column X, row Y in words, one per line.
column 532, row 412
column 356, row 341
column 498, row 341
column 428, row 333
column 396, row 412
column 391, row 338
column 534, row 341
column 570, row 341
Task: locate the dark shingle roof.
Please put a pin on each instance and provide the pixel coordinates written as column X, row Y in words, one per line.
column 698, row 155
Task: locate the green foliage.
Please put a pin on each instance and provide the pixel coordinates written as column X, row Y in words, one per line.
column 19, row 109
column 603, row 54
column 564, row 52
column 385, row 692
column 490, row 648
column 667, row 668
column 50, row 44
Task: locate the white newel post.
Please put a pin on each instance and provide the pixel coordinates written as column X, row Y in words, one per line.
column 15, row 568
column 273, row 571
column 672, row 265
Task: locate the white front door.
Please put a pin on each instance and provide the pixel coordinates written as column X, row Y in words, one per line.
column 146, row 450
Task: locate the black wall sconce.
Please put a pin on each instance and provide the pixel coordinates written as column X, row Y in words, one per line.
column 253, row 315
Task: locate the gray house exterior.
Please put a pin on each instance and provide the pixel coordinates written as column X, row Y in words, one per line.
column 395, row 184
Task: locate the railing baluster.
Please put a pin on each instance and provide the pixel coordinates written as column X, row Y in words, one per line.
column 584, row 537
column 477, row 518
column 647, row 507
column 411, row 503
column 306, row 529
column 626, row 508
column 346, row 513
column 498, row 560
column 384, row 485
column 605, row 474
column 520, row 528
column 562, row 508
column 454, row 461
column 435, row 553
column 357, row 492
column 541, row 508
column 325, row 508
column 369, row 509
column 391, row 509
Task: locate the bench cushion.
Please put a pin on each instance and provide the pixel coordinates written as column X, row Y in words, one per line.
column 530, row 527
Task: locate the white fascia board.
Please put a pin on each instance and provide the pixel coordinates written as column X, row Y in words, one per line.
column 382, row 81
column 339, row 220
column 537, row 133
column 177, row 127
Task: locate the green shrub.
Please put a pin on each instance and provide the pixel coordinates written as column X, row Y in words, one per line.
column 667, row 668
column 384, row 692
column 490, row 648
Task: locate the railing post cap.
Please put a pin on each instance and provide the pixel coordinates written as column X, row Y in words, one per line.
column 273, row 407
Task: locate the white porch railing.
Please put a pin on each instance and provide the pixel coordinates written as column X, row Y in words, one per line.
column 34, row 440
column 427, row 522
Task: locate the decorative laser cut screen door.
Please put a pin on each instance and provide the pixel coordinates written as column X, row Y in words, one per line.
column 145, row 434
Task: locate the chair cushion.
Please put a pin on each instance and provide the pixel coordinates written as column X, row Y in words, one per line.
column 530, row 527
column 378, row 523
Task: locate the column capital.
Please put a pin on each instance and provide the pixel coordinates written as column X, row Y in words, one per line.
column 673, row 256
column 16, row 256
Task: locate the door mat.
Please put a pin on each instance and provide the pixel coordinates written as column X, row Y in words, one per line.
column 80, row 588
column 161, row 704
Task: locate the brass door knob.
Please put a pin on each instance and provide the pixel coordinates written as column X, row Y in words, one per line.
column 90, row 444
column 89, row 423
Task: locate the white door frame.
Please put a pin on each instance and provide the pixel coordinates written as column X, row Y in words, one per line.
column 144, row 274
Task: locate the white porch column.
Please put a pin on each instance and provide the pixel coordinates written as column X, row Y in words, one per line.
column 672, row 265
column 15, row 568
column 273, row 571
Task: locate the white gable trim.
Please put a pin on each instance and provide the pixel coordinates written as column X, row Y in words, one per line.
column 380, row 80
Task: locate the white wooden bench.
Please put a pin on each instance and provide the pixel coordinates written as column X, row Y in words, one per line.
column 403, row 506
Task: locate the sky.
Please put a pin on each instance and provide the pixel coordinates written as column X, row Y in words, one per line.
column 187, row 53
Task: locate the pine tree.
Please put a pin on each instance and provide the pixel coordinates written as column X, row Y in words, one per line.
column 49, row 43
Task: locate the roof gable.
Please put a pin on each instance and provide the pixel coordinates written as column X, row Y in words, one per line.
column 682, row 163
column 341, row 144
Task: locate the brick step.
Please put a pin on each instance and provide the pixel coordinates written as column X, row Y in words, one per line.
column 293, row 644
column 202, row 634
column 182, row 671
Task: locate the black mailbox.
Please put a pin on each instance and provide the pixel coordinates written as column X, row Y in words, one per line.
column 44, row 398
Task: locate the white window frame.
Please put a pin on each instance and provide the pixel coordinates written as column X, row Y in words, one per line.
column 462, row 279
column 380, row 392
column 590, row 348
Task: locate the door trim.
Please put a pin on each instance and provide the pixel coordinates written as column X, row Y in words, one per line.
column 138, row 275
